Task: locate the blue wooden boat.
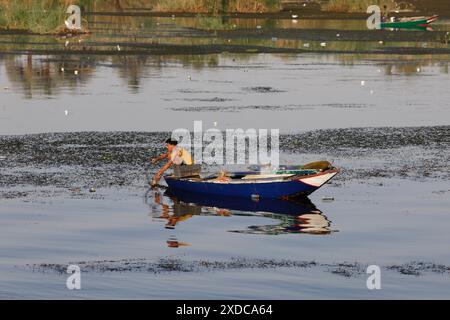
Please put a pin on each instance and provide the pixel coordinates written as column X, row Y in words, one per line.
column 280, row 184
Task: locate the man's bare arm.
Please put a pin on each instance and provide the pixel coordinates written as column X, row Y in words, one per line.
column 160, row 157
column 162, row 170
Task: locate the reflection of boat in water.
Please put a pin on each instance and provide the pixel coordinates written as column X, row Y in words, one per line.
column 295, row 215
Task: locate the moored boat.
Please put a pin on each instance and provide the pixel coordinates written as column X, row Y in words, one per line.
column 413, row 22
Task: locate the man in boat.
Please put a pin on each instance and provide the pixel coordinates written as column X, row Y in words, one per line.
column 176, row 156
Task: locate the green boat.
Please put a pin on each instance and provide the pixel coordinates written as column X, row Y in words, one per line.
column 408, row 23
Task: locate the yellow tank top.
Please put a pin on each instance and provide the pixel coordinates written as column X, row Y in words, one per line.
column 180, row 155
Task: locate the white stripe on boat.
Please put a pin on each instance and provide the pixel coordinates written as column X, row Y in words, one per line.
column 318, row 180
column 266, row 176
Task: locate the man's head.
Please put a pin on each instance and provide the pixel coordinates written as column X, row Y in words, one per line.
column 170, row 144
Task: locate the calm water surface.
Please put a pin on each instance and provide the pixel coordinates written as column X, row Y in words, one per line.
column 292, row 93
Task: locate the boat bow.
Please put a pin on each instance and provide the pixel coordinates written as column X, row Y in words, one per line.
column 319, row 179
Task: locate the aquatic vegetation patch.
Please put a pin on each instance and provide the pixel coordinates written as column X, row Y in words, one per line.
column 120, row 159
column 347, row 269
column 171, row 264
column 370, row 138
column 346, row 105
column 262, row 89
column 441, row 192
column 215, row 99
column 418, row 268
column 12, row 194
column 234, row 108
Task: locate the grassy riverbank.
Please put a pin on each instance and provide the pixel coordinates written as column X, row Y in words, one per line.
column 216, row 6
column 357, row 5
column 36, row 16
column 47, row 16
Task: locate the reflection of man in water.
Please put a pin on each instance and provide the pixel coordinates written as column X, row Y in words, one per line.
column 174, row 243
column 176, row 155
column 172, row 220
column 179, row 212
column 165, row 214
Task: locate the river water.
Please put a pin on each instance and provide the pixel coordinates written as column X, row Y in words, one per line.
column 74, row 121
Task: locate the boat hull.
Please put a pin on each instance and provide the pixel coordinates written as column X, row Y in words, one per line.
column 278, row 189
column 410, row 23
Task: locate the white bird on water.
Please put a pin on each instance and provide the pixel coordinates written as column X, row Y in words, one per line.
column 67, row 43
column 66, row 112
